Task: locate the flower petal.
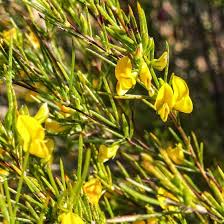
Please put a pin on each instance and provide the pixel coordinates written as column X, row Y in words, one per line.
column 124, row 84
column 184, row 105
column 164, row 112
column 71, row 218
column 180, row 87
column 29, row 129
column 93, row 190
column 120, row 90
column 145, row 75
column 123, row 68
column 165, row 95
column 39, row 149
column 107, row 152
column 160, row 63
column 183, row 101
column 176, row 154
column 42, row 113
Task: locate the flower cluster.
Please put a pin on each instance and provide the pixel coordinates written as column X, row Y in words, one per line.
column 169, row 97
column 126, row 77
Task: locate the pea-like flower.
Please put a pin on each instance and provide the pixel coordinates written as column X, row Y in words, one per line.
column 145, row 75
column 33, row 134
column 164, row 101
column 176, row 154
column 160, row 63
column 125, row 78
column 70, row 218
column 182, row 99
column 107, row 152
column 177, row 98
column 93, row 190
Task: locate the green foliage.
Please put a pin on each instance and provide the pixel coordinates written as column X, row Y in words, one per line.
column 64, row 53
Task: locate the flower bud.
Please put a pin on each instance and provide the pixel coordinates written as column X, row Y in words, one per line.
column 160, row 63
column 107, row 152
column 176, row 154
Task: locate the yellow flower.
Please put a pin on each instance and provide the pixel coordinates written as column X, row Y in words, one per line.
column 125, row 78
column 93, row 190
column 70, row 218
column 164, row 101
column 145, row 75
column 177, row 98
column 182, row 99
column 160, row 63
column 176, row 154
column 33, row 134
column 107, row 152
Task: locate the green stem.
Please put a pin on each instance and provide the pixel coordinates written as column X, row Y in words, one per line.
column 6, row 188
column 80, row 153
column 77, row 186
column 19, row 188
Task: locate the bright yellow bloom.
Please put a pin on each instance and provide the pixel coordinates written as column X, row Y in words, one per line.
column 33, row 134
column 176, row 154
column 145, row 75
column 107, row 152
column 71, row 218
column 125, row 78
column 164, row 101
column 177, row 98
column 160, row 63
column 93, row 190
column 182, row 99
